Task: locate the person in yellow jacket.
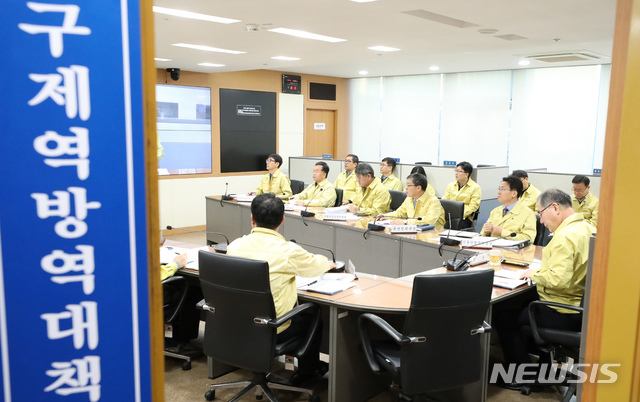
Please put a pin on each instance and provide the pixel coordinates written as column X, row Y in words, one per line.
column 560, row 279
column 530, row 194
column 286, row 260
column 275, row 181
column 466, row 190
column 346, row 180
column 420, row 169
column 512, row 216
column 372, row 198
column 583, row 201
column 387, row 177
column 418, row 204
column 319, row 194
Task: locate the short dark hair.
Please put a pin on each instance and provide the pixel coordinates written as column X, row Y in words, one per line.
column 418, row 169
column 364, row 169
column 276, row 158
column 418, row 180
column 390, row 161
column 355, row 158
column 514, row 184
column 577, row 179
column 467, row 167
column 554, row 195
column 520, row 174
column 267, row 211
column 325, row 167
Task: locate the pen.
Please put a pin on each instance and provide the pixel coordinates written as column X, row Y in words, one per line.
column 314, row 282
column 485, row 221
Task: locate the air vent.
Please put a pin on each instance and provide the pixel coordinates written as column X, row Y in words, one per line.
column 565, row 57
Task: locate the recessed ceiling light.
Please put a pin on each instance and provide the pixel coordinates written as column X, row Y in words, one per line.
column 383, row 48
column 211, row 65
column 306, row 35
column 159, row 59
column 207, row 48
column 285, row 58
column 363, row 72
column 524, row 62
column 193, row 16
column 434, row 68
column 487, row 31
column 363, row 1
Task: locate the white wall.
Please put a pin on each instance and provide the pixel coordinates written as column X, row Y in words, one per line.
column 290, row 127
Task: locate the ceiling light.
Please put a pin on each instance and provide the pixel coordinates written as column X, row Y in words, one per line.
column 362, row 1
column 193, row 16
column 363, row 72
column 524, row 62
column 487, row 31
column 159, row 59
column 211, row 65
column 434, row 68
column 306, row 35
column 207, row 48
column 285, row 58
column 383, row 48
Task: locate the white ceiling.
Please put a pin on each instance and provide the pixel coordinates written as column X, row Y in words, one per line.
column 580, row 25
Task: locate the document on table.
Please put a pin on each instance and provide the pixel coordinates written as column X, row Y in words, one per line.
column 508, row 279
column 459, row 233
column 168, row 253
column 329, row 283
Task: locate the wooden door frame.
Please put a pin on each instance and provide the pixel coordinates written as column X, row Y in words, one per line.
column 335, row 128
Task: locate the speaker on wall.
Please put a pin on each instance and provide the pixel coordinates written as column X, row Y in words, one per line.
column 320, row 91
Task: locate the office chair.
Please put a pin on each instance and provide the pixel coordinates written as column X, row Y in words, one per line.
column 397, row 198
column 542, row 233
column 241, row 323
column 297, row 186
column 556, row 343
column 422, row 163
column 438, row 349
column 339, row 195
column 174, row 293
column 455, row 210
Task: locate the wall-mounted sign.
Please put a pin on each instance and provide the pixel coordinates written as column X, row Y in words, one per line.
column 249, row 110
column 449, row 163
column 319, row 126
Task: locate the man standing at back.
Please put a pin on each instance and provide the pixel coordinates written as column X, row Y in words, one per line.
column 372, row 198
column 466, row 190
column 346, row 180
column 275, row 181
column 286, row 260
column 319, row 194
column 387, row 178
column 583, row 201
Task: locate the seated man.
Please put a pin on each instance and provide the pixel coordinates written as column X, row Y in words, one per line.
column 420, row 169
column 466, row 190
column 286, row 260
column 347, row 179
column 512, row 216
column 530, row 193
column 372, row 198
column 275, row 181
column 419, row 204
column 583, row 201
column 560, row 279
column 319, row 194
column 387, row 178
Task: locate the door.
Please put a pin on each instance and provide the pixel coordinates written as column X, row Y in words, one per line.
column 319, row 133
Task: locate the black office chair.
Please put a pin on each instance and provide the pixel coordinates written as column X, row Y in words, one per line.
column 453, row 213
column 339, row 194
column 297, row 186
column 397, row 198
column 542, row 233
column 438, row 349
column 174, row 293
column 241, row 322
column 422, row 163
column 557, row 344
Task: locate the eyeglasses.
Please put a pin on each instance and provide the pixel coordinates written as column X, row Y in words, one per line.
column 502, row 189
column 270, row 160
column 544, row 209
column 410, row 185
column 578, row 191
column 348, row 161
column 460, row 171
column 384, row 165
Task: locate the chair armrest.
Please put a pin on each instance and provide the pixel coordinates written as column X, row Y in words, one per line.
column 365, row 338
column 532, row 317
column 315, row 324
column 290, row 314
column 485, row 328
column 181, row 283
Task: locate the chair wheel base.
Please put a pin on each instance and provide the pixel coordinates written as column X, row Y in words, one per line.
column 525, row 390
column 210, row 395
column 186, row 366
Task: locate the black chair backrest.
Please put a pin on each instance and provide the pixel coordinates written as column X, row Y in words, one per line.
column 444, row 309
column 339, row 194
column 541, row 233
column 397, row 198
column 239, row 291
column 297, row 186
column 422, row 163
column 481, row 166
column 455, row 210
column 174, row 292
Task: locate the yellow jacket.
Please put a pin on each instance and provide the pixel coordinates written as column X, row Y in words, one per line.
column 520, row 220
column 168, row 270
column 588, row 208
column 470, row 194
column 392, row 183
column 373, row 201
column 428, row 208
column 349, row 185
column 529, row 198
column 286, row 260
column 279, row 184
column 430, row 190
column 327, row 198
column 561, row 277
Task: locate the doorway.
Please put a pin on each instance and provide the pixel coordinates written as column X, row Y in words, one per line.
column 319, row 132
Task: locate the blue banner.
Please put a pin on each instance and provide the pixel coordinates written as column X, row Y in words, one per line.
column 74, row 303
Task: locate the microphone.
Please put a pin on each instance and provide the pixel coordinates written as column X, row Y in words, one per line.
column 339, row 264
column 306, row 213
column 225, row 197
column 447, row 240
column 219, row 247
column 462, row 265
